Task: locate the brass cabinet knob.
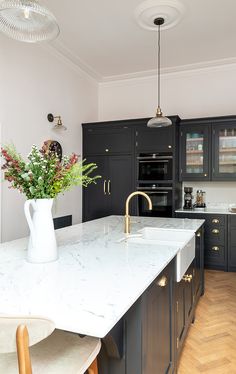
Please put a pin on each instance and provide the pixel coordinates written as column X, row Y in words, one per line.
column 162, row 282
column 107, row 150
column 198, row 234
column 169, row 146
column 215, row 231
column 215, row 220
column 188, row 278
column 205, row 175
column 215, row 248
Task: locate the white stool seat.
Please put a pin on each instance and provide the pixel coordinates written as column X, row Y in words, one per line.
column 60, row 353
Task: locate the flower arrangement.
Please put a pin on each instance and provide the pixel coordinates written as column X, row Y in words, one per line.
column 44, row 176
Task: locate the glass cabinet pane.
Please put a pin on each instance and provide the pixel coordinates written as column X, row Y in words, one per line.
column 194, row 152
column 227, row 150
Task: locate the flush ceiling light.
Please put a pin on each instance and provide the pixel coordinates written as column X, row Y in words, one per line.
column 27, row 21
column 58, row 125
column 159, row 120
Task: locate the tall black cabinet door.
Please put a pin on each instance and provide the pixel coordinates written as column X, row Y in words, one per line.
column 120, row 182
column 194, row 152
column 95, row 196
column 158, row 327
column 224, row 151
column 189, row 292
column 180, row 314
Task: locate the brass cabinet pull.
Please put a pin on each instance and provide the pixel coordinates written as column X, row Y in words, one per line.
column 163, row 281
column 104, row 187
column 188, row 278
column 215, row 220
column 215, row 231
column 109, row 187
column 215, row 248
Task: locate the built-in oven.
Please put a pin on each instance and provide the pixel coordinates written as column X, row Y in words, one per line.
column 161, row 197
column 155, row 166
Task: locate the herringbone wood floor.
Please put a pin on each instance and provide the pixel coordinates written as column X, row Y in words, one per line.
column 211, row 343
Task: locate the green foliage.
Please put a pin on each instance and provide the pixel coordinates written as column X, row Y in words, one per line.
column 44, row 175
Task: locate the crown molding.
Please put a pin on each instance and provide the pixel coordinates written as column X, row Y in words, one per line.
column 59, row 50
column 191, row 69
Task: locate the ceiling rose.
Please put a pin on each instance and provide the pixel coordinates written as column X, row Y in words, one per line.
column 171, row 10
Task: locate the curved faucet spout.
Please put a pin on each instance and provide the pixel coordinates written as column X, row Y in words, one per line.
column 127, row 216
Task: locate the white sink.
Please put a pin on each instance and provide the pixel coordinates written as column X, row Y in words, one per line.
column 182, row 239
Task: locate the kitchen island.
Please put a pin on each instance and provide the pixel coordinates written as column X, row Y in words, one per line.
column 98, row 278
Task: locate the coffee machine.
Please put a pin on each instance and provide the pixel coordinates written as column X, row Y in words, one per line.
column 188, row 198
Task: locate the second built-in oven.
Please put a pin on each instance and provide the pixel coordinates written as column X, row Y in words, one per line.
column 161, row 197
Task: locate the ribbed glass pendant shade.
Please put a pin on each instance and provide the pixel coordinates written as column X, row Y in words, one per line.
column 27, row 21
column 159, row 122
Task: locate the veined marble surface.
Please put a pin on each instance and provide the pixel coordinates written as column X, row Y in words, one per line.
column 96, row 279
column 208, row 210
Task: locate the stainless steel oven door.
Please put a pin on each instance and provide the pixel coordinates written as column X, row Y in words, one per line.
column 161, row 203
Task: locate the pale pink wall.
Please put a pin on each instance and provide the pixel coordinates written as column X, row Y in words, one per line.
column 206, row 92
column 33, row 83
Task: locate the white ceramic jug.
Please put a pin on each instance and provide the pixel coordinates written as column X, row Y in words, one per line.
column 42, row 245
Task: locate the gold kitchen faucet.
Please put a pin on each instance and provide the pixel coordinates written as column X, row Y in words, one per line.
column 127, row 216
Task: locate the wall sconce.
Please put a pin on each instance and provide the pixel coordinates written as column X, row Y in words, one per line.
column 58, row 124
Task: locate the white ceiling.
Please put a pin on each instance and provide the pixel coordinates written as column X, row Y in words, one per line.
column 103, row 37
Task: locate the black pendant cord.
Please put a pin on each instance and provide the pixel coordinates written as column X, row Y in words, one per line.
column 159, row 64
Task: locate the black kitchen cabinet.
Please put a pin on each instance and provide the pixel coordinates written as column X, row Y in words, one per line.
column 158, row 325
column 198, row 271
column 151, row 139
column 188, row 292
column 215, row 242
column 121, row 183
column 224, row 151
column 104, row 140
column 194, row 151
column 95, row 196
column 115, row 147
column 150, row 337
column 208, row 149
column 109, row 194
column 184, row 306
column 143, row 341
column 232, row 243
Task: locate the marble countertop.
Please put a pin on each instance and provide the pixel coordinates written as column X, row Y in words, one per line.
column 208, row 210
column 96, row 279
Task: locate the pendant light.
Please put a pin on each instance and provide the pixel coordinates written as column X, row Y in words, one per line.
column 27, row 21
column 159, row 120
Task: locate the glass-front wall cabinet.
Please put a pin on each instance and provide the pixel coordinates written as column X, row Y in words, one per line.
column 224, row 152
column 194, row 152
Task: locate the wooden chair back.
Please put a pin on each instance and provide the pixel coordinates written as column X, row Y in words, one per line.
column 23, row 354
column 14, row 337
